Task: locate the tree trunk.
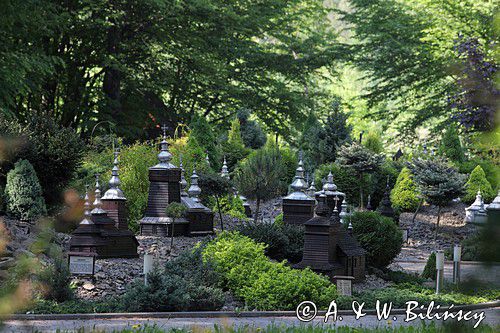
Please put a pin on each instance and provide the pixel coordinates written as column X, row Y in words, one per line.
column 360, row 192
column 437, row 224
column 257, row 211
column 220, row 213
column 416, row 212
column 172, row 237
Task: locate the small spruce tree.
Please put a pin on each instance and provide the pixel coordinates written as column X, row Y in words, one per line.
column 429, row 271
column 438, row 182
column 234, row 149
column 337, row 132
column 477, row 181
column 373, row 142
column 23, row 192
column 259, row 176
column 252, row 134
column 404, row 195
column 451, row 146
column 204, row 135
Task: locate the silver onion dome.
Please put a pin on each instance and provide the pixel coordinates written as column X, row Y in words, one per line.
column 183, row 181
column 299, row 184
column 97, row 199
column 224, row 172
column 312, row 189
column 114, row 192
column 194, row 190
column 495, row 204
column 329, row 185
column 86, row 211
column 164, row 157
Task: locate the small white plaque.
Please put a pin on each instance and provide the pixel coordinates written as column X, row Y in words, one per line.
column 81, row 265
column 344, row 287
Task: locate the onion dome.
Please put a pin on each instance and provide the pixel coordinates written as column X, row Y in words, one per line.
column 164, row 157
column 224, row 172
column 322, row 208
column 329, row 185
column 349, row 228
column 114, row 192
column 343, row 210
column 335, row 217
column 86, row 212
column 183, row 181
column 478, row 203
column 312, row 189
column 369, row 203
column 97, row 199
column 495, row 204
column 299, row 184
column 194, row 190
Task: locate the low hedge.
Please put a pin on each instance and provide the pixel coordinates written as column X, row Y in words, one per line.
column 261, row 283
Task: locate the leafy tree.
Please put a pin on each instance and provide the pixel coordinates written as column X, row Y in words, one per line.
column 361, row 159
column 252, row 134
column 477, row 181
column 175, row 210
column 438, row 182
column 213, row 185
column 23, row 192
column 404, row 195
column 258, row 177
column 234, row 148
column 475, row 103
column 451, row 146
column 206, row 138
column 312, row 142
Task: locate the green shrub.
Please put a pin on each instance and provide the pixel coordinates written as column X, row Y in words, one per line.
column 252, row 134
column 234, row 149
column 283, row 241
column 56, row 278
column 404, row 195
column 477, row 181
column 23, row 192
column 344, row 177
column 261, row 283
column 206, row 138
column 378, row 181
column 55, row 152
column 451, row 146
column 278, row 220
column 491, row 170
column 185, row 283
column 230, row 205
column 373, row 141
column 378, row 235
column 430, row 267
column 289, row 162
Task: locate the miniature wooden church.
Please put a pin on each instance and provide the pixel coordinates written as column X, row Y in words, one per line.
column 167, row 183
column 298, row 207
column 101, row 234
column 328, row 247
column 334, row 198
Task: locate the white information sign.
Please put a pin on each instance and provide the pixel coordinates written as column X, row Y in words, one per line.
column 344, row 287
column 81, row 265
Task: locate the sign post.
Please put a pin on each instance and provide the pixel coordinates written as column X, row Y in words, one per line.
column 439, row 270
column 344, row 284
column 148, row 266
column 81, row 263
column 457, row 255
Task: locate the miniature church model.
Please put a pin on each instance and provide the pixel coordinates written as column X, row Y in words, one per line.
column 476, row 213
column 100, row 233
column 328, row 247
column 331, row 192
column 167, row 185
column 298, row 207
column 493, row 210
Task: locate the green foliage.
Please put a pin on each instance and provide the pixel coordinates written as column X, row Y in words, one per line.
column 477, row 181
column 359, row 158
column 373, row 142
column 438, row 182
column 378, row 235
column 175, row 210
column 55, row 152
column 283, row 241
column 278, row 220
column 56, row 278
column 206, row 138
column 344, row 177
column 186, row 283
column 289, row 163
column 429, row 271
column 337, row 132
column 234, row 150
column 262, row 284
column 23, row 192
column 451, row 146
column 252, row 134
column 259, row 176
column 491, row 170
column 312, row 142
column 378, row 180
column 404, row 195
column 229, row 204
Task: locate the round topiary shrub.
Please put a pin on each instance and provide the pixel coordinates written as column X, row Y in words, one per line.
column 477, row 181
column 23, row 192
column 378, row 235
column 404, row 195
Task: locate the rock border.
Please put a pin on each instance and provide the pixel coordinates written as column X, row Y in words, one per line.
column 222, row 314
